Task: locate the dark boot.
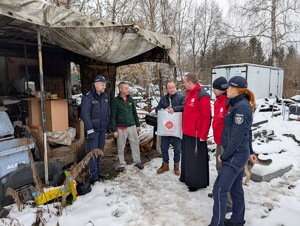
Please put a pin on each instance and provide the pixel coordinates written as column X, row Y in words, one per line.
column 227, row 222
column 164, row 167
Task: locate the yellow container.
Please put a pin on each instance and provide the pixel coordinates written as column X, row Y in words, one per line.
column 54, row 96
column 49, row 194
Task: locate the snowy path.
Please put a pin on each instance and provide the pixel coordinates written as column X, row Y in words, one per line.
column 143, row 198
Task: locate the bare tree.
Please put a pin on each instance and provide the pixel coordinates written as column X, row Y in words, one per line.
column 194, row 40
column 182, row 31
column 210, row 18
column 118, row 10
column 115, row 10
column 204, row 30
column 147, row 11
column 158, row 16
column 274, row 20
column 291, row 66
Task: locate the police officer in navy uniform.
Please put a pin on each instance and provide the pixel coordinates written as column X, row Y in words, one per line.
column 95, row 115
column 236, row 141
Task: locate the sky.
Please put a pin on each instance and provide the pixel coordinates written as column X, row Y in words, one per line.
column 224, row 5
column 144, row 198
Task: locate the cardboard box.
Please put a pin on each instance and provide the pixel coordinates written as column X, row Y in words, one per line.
column 34, row 111
column 57, row 117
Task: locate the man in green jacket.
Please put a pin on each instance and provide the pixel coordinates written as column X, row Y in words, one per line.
column 125, row 124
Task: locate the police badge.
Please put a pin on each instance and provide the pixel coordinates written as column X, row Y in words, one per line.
column 239, row 119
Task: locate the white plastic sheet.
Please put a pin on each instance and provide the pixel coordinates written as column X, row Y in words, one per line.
column 169, row 124
column 62, row 137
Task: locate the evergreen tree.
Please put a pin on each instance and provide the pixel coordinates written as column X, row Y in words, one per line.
column 255, row 51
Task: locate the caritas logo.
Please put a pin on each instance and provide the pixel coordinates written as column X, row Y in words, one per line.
column 169, row 125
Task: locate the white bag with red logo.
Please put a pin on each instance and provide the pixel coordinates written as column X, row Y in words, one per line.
column 169, row 124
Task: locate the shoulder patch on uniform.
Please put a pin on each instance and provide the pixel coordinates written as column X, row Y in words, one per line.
column 239, row 119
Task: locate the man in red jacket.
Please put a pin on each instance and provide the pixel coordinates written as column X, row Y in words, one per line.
column 195, row 128
column 220, row 111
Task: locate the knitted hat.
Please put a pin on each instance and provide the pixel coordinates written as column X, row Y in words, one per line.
column 218, row 82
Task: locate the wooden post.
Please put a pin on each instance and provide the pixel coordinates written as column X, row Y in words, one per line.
column 43, row 103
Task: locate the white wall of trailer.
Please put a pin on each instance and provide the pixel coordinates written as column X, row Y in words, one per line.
column 264, row 81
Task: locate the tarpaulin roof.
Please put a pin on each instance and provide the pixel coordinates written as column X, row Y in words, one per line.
column 99, row 39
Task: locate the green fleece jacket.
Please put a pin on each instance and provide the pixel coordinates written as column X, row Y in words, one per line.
column 123, row 114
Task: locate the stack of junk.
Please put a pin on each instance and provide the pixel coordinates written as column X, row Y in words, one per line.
column 15, row 169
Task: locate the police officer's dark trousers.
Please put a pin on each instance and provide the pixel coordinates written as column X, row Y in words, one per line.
column 97, row 142
column 228, row 180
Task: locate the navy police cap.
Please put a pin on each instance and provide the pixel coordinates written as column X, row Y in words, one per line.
column 100, row 78
column 236, row 81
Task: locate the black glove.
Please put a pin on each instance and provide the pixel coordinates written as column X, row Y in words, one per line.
column 91, row 136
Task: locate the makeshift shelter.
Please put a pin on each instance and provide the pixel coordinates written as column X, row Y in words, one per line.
column 38, row 41
column 77, row 36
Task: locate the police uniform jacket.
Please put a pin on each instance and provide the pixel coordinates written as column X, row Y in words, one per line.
column 95, row 111
column 237, row 135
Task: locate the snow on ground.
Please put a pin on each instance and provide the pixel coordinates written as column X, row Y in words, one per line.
column 144, row 198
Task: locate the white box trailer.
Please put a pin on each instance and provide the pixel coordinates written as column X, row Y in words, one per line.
column 264, row 81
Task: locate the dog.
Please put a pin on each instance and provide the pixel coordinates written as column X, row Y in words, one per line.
column 249, row 165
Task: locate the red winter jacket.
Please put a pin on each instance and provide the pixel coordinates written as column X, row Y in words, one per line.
column 196, row 114
column 220, row 112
